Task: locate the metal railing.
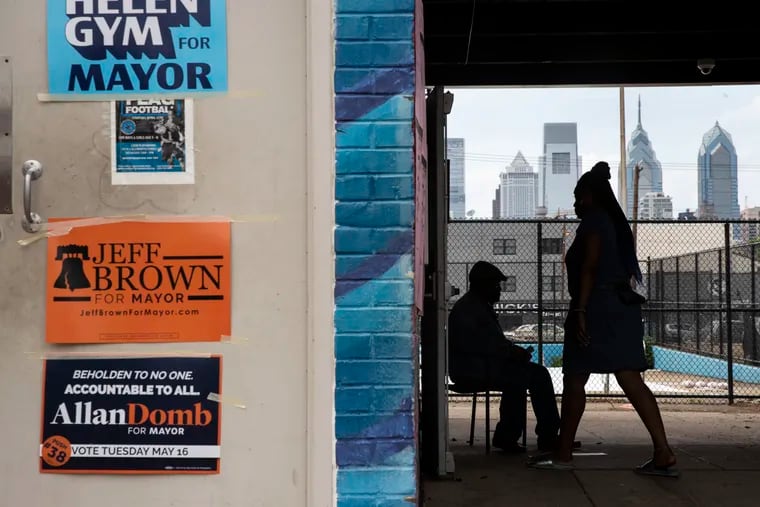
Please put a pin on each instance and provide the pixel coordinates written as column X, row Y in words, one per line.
column 701, row 319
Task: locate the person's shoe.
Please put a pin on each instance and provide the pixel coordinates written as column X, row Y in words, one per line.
column 552, row 464
column 541, row 456
column 513, row 448
column 508, row 447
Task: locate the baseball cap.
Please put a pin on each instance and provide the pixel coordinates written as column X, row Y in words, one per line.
column 483, row 271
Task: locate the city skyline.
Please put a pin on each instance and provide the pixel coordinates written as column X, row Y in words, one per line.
column 498, row 122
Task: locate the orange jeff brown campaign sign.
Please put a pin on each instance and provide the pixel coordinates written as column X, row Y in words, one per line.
column 139, row 281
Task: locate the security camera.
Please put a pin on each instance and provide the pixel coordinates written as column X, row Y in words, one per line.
column 448, row 102
column 706, row 66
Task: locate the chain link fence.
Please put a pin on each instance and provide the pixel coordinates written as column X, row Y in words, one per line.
column 701, row 319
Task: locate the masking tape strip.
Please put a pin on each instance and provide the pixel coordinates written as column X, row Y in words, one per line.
column 234, row 340
column 218, row 398
column 108, row 97
column 227, row 340
column 33, row 239
column 63, row 227
column 117, row 355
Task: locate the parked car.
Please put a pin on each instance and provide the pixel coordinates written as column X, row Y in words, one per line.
column 685, row 330
column 513, row 334
column 529, row 332
column 718, row 328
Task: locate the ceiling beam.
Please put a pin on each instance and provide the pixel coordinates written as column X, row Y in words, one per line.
column 593, row 42
column 649, row 73
column 584, row 18
column 591, row 48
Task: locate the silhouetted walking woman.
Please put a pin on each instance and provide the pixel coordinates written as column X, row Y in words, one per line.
column 603, row 330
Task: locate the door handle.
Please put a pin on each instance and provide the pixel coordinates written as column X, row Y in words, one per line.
column 32, row 170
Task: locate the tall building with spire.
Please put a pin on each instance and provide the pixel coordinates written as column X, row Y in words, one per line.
column 519, row 189
column 640, row 153
column 717, row 179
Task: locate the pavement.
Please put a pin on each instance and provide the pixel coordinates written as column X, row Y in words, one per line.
column 718, row 449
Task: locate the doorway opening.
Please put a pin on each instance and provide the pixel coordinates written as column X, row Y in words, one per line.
column 700, row 265
column 473, row 46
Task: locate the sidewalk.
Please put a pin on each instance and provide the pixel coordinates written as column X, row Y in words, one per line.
column 718, row 448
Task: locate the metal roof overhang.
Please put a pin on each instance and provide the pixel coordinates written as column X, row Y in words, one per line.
column 588, row 42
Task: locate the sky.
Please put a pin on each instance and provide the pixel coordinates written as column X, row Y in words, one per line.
column 496, row 123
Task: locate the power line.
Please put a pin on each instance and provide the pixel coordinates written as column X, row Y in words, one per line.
column 535, row 161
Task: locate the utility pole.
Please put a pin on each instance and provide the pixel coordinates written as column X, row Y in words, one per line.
column 565, row 234
column 636, row 170
column 622, row 176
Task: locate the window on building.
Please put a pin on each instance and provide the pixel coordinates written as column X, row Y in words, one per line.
column 551, row 246
column 561, row 163
column 510, row 284
column 503, row 246
column 552, row 283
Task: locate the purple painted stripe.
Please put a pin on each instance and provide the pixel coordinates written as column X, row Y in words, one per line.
column 374, row 266
column 369, row 453
column 389, row 83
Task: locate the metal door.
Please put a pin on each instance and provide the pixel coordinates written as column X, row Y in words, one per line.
column 434, row 415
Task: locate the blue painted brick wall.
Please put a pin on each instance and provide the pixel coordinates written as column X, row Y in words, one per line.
column 374, row 243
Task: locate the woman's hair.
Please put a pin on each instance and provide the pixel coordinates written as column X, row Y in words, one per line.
column 596, row 181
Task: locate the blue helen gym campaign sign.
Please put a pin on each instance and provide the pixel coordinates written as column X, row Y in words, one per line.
column 128, row 47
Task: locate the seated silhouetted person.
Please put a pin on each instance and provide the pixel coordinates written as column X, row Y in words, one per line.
column 481, row 357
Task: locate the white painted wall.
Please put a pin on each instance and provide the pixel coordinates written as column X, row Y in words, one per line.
column 264, row 150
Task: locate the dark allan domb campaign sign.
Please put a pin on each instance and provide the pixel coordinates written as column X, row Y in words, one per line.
column 131, row 415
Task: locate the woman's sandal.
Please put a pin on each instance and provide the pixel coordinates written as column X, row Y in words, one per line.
column 649, row 468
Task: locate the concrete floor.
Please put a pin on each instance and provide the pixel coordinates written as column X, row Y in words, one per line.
column 718, row 448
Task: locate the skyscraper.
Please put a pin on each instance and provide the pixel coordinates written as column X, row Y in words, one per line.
column 519, row 189
column 455, row 154
column 718, row 186
column 640, row 152
column 655, row 206
column 559, row 168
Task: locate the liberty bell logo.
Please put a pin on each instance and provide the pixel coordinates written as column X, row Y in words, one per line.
column 72, row 275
